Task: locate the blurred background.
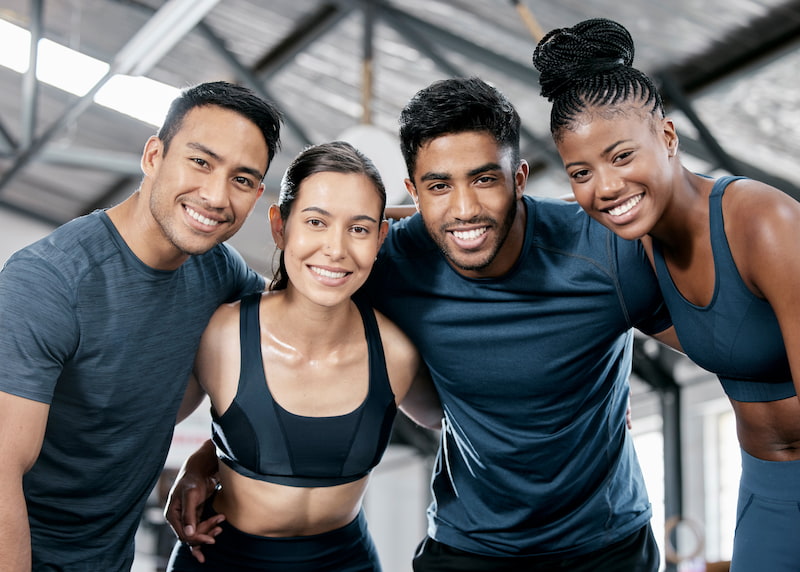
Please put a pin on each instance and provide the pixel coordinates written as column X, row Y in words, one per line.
column 83, row 83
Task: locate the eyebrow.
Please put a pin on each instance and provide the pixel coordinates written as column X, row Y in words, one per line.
column 241, row 168
column 327, row 213
column 432, row 176
column 606, row 151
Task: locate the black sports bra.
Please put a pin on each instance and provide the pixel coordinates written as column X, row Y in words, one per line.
column 259, row 439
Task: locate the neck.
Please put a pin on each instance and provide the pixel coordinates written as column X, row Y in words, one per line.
column 136, row 226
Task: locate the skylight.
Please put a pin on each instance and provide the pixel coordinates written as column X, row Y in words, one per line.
column 69, row 70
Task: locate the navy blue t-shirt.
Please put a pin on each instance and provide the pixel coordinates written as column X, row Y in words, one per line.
column 532, row 369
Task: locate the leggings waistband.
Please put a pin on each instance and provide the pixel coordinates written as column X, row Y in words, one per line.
column 773, row 479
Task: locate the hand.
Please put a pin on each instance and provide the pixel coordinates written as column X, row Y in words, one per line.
column 185, row 504
column 192, row 488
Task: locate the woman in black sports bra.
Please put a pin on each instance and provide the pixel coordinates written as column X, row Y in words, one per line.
column 304, row 382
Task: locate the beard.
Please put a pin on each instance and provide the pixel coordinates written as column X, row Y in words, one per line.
column 503, row 229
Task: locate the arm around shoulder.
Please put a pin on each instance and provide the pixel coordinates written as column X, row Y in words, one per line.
column 411, row 381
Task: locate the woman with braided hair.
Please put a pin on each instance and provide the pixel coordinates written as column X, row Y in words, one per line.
column 722, row 249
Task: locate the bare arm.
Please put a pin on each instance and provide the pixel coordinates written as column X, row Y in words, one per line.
column 193, row 396
column 399, row 211
column 421, row 404
column 669, row 338
column 22, row 426
column 762, row 225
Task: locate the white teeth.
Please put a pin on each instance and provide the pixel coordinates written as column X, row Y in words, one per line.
column 200, row 218
column 626, row 206
column 469, row 234
column 328, row 273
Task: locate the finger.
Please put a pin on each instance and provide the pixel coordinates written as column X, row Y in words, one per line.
column 189, row 510
column 208, row 530
column 198, row 554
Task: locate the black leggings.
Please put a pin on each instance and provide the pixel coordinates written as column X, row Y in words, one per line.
column 346, row 549
column 636, row 553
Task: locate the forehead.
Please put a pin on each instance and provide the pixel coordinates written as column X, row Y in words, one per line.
column 226, row 133
column 461, row 152
column 345, row 194
column 595, row 129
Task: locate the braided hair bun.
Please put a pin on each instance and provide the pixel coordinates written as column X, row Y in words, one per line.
column 590, row 64
column 568, row 55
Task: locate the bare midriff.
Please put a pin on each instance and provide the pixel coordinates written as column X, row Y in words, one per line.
column 268, row 509
column 769, row 430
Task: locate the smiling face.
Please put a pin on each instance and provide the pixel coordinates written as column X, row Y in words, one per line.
column 467, row 192
column 620, row 166
column 331, row 236
column 201, row 190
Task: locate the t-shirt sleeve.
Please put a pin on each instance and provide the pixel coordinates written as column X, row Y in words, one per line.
column 245, row 280
column 38, row 329
column 641, row 295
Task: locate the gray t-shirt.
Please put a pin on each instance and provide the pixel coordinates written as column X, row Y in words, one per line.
column 109, row 342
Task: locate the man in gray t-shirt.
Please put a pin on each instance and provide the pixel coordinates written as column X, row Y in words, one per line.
column 99, row 324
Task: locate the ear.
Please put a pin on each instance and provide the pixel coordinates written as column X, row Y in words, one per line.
column 412, row 190
column 277, row 226
column 521, row 178
column 152, row 154
column 670, row 136
column 382, row 232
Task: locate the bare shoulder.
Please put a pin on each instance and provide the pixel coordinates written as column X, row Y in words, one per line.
column 756, row 212
column 760, row 224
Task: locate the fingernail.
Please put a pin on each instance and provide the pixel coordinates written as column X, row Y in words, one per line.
column 189, row 530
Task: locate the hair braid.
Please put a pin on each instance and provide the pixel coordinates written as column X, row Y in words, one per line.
column 590, row 65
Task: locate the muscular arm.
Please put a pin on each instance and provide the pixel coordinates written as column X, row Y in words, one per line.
column 410, row 378
column 421, row 404
column 22, row 426
column 399, row 211
column 193, row 396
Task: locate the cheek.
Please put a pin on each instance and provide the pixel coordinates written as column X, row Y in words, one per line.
column 583, row 196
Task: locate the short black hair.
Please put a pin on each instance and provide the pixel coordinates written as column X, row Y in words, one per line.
column 239, row 99
column 453, row 106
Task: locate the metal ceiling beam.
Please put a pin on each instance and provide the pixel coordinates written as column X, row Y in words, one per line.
column 156, row 37
column 459, row 44
column 30, row 86
column 94, row 159
column 409, row 27
column 307, row 30
column 749, row 45
column 248, row 77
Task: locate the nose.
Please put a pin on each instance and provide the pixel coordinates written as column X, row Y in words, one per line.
column 215, row 191
column 608, row 184
column 464, row 203
column 334, row 244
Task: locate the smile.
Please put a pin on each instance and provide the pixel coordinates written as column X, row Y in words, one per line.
column 327, row 273
column 626, row 206
column 200, row 218
column 469, row 234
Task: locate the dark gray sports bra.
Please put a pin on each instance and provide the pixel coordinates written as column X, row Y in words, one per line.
column 259, row 439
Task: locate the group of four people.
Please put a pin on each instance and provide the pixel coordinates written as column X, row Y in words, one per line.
column 518, row 311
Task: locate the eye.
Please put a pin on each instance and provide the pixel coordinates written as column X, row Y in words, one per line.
column 199, row 161
column 315, row 222
column 245, row 182
column 580, row 175
column 486, row 179
column 622, row 157
column 358, row 229
column 437, row 187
